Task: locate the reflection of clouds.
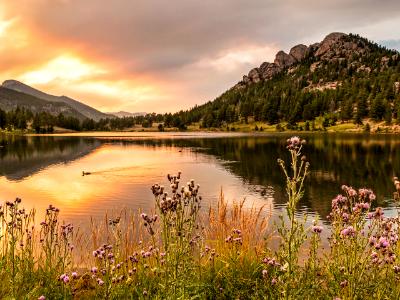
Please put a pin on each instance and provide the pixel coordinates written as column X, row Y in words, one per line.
column 121, row 178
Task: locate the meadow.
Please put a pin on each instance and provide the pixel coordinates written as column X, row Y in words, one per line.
column 182, row 250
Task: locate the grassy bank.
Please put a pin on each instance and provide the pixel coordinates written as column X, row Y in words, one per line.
column 182, row 250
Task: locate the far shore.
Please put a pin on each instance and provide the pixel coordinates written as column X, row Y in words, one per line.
column 238, row 128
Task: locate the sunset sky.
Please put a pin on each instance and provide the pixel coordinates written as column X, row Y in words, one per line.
column 157, row 55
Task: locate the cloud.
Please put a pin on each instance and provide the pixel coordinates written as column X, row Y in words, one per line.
column 182, row 52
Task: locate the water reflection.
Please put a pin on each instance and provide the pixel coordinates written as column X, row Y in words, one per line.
column 44, row 170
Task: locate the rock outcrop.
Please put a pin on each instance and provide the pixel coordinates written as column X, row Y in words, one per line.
column 336, row 46
column 284, row 60
column 299, row 52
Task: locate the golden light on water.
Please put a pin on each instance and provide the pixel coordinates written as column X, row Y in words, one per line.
column 120, row 177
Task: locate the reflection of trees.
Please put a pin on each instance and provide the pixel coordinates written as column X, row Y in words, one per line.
column 357, row 160
column 21, row 157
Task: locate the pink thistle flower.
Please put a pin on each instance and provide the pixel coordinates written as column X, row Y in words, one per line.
column 74, row 274
column 352, row 192
column 383, row 242
column 348, row 231
column 317, row 229
column 94, row 270
column 42, row 298
column 66, row 279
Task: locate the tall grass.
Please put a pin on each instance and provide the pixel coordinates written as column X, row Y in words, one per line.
column 228, row 251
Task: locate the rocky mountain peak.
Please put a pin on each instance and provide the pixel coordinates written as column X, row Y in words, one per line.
column 335, row 46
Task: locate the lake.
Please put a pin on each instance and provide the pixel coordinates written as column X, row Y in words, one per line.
column 45, row 170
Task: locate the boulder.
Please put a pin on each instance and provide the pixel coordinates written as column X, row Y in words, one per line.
column 268, row 70
column 254, row 75
column 284, row 60
column 299, row 52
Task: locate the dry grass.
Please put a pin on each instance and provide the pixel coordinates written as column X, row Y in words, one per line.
column 253, row 223
column 217, row 223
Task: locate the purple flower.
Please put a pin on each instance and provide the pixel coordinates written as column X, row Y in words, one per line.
column 100, row 282
column 352, row 192
column 94, row 270
column 317, row 229
column 74, row 274
column 365, row 205
column 66, row 279
column 383, row 242
column 294, row 143
column 42, row 298
column 348, row 231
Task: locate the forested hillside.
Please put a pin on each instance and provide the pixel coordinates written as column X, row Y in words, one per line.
column 342, row 78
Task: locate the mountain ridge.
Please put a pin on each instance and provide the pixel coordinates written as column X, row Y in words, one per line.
column 86, row 110
column 11, row 100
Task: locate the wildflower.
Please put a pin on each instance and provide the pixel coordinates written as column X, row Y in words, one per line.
column 345, row 217
column 274, row 281
column 348, row 231
column 229, row 239
column 100, row 282
column 74, row 274
column 66, row 279
column 383, row 242
column 94, row 270
column 294, row 143
column 264, row 273
column 365, row 205
column 144, row 293
column 316, row 229
column 42, row 298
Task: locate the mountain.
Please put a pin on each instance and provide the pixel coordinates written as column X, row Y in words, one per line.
column 343, row 77
column 11, row 99
column 83, row 109
column 123, row 114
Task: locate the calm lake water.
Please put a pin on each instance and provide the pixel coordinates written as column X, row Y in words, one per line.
column 48, row 169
